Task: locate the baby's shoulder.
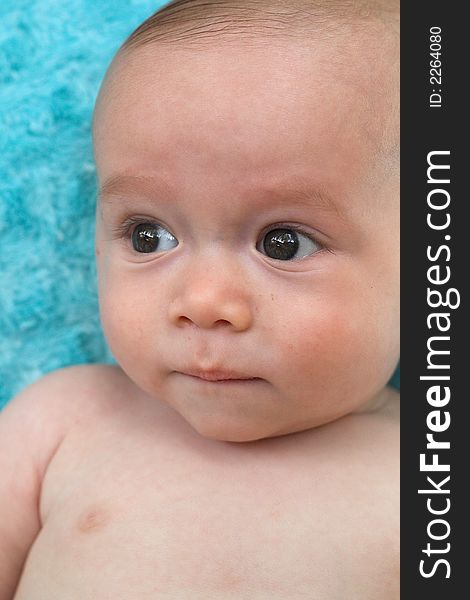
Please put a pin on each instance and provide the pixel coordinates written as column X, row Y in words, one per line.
column 82, row 390
column 46, row 409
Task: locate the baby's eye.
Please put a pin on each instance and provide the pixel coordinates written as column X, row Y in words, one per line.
column 284, row 243
column 150, row 237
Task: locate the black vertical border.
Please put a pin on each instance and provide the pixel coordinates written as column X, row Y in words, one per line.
column 425, row 129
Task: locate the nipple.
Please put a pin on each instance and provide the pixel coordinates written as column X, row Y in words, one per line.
column 92, row 519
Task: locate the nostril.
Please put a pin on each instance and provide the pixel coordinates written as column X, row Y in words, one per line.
column 222, row 322
column 184, row 320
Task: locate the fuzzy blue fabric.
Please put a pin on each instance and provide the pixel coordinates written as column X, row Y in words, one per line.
column 53, row 55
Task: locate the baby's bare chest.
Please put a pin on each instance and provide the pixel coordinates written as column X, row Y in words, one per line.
column 129, row 517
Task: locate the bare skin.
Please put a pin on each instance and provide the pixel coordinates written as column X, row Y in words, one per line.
column 135, row 504
column 247, row 446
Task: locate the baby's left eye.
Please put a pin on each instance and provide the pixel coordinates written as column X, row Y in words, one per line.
column 284, row 243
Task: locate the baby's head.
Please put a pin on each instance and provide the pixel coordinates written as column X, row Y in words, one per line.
column 247, row 225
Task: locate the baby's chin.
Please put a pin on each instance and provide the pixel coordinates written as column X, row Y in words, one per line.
column 238, row 428
column 225, row 428
column 229, row 429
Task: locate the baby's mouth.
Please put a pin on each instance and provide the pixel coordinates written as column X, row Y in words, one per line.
column 218, row 376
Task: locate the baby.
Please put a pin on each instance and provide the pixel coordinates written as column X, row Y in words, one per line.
column 247, row 243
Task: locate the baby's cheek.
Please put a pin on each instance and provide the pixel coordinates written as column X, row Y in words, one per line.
column 122, row 320
column 331, row 340
column 354, row 343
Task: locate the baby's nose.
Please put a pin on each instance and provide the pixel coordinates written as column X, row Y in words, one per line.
column 210, row 300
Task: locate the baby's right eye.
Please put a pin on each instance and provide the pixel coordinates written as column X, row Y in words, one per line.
column 151, row 237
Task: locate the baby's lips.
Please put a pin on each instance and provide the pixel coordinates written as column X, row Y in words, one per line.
column 217, row 374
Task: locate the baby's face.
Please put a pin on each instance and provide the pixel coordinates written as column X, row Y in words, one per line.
column 247, row 235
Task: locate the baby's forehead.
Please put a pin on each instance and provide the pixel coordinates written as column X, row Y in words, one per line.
column 344, row 86
column 356, row 62
column 301, row 81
